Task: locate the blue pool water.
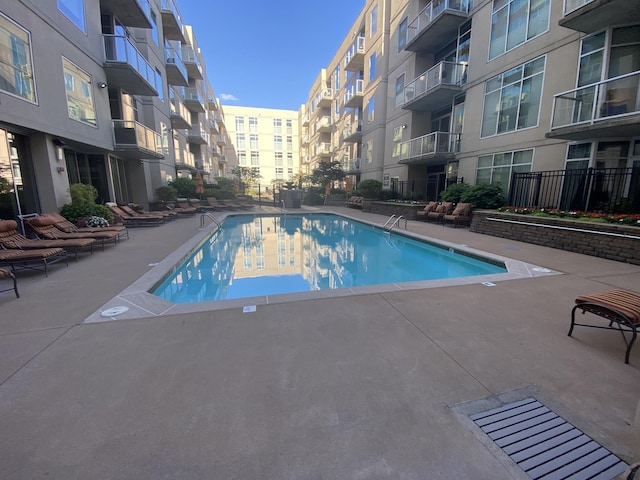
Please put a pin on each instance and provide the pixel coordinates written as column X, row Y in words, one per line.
column 254, row 255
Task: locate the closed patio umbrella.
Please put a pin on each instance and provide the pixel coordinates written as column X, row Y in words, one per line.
column 199, row 184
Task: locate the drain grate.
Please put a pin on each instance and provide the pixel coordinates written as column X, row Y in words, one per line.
column 545, row 445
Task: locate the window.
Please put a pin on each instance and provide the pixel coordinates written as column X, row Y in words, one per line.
column 240, row 141
column 397, row 141
column 372, row 67
column 371, row 109
column 290, row 160
column 277, row 142
column 289, row 127
column 154, row 28
column 278, row 159
column 289, row 142
column 239, row 124
column 279, row 173
column 290, row 172
column 399, row 90
column 497, row 168
column 79, row 98
column 74, row 11
column 336, row 79
column 402, row 35
column 255, row 158
column 578, row 156
column 514, row 22
column 242, row 158
column 253, row 124
column 373, row 27
column 160, row 85
column 512, row 99
column 277, row 125
column 368, row 149
column 15, row 60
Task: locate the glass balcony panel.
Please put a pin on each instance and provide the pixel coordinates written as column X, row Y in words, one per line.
column 427, row 18
column 119, row 50
column 431, row 145
column 172, row 21
column 176, row 69
column 130, row 134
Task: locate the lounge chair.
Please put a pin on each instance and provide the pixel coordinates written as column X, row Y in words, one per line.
column 66, row 226
column 10, row 238
column 45, row 228
column 440, row 211
column 184, row 208
column 460, row 214
column 620, row 307
column 32, row 259
column 135, row 211
column 135, row 221
column 6, row 273
column 429, row 207
column 354, row 202
column 244, row 203
column 213, row 201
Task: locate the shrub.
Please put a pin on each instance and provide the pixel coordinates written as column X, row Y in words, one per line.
column 76, row 212
column 166, row 193
column 454, row 192
column 312, row 198
column 484, row 195
column 185, row 187
column 370, row 188
column 82, row 193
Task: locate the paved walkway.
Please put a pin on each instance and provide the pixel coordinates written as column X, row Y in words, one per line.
column 367, row 386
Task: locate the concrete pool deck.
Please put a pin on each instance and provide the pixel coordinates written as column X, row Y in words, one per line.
column 372, row 385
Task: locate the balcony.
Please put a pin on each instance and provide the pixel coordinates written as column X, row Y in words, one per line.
column 192, row 63
column 591, row 16
column 219, row 119
column 610, row 108
column 432, row 149
column 134, row 141
column 351, row 166
column 352, row 133
column 222, row 160
column 176, row 70
column 305, row 119
column 212, row 103
column 172, row 26
column 305, row 140
column 130, row 13
column 323, row 125
column 354, row 59
column 354, row 94
column 323, row 149
column 436, row 25
column 185, row 160
column 221, row 140
column 198, row 134
column 213, row 126
column 324, row 98
column 435, row 87
column 180, row 116
column 126, row 68
column 193, row 99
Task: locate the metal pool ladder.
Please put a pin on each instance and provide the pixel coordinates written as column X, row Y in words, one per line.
column 211, row 216
column 394, row 220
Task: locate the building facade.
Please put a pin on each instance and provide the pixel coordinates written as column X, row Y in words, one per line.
column 108, row 93
column 425, row 93
column 264, row 140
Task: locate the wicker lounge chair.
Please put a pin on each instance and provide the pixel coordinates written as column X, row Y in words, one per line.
column 6, row 273
column 33, row 259
column 440, row 211
column 135, row 221
column 213, row 201
column 429, row 207
column 45, row 228
column 619, row 307
column 10, row 238
column 185, row 208
column 66, row 226
column 460, row 214
column 135, row 211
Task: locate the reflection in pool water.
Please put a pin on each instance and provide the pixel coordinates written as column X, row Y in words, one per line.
column 267, row 255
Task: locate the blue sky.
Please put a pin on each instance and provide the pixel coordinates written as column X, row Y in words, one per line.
column 267, row 54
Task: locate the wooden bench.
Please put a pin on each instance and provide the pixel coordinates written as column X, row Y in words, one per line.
column 620, row 307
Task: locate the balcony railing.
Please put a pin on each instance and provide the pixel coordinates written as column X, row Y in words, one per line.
column 571, row 5
column 323, row 148
column 172, row 21
column 119, row 51
column 431, row 12
column 180, row 116
column 444, row 73
column 193, row 99
column 191, row 61
column 430, row 145
column 353, row 90
column 352, row 165
column 324, row 97
column 352, row 132
column 176, row 70
column 199, row 134
column 355, row 52
column 606, row 100
column 129, row 134
column 323, row 124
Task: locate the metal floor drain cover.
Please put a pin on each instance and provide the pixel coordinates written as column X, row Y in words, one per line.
column 545, row 445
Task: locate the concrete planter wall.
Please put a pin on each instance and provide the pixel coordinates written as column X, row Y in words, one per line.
column 614, row 242
column 391, row 208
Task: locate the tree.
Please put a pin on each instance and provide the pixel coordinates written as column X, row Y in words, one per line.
column 246, row 175
column 327, row 172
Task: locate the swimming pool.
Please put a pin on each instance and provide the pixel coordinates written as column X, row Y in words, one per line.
column 261, row 255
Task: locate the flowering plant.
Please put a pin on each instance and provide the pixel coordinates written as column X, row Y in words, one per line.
column 619, row 218
column 96, row 222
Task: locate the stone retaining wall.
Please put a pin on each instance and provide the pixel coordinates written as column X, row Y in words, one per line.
column 389, row 208
column 614, row 242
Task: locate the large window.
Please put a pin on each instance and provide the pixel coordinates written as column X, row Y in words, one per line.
column 253, row 124
column 278, row 159
column 289, row 127
column 497, row 168
column 397, row 141
column 16, row 70
column 514, row 22
column 371, row 107
column 253, row 142
column 289, row 142
column 373, row 27
column 79, row 96
column 372, row 66
column 402, row 35
column 255, row 158
column 74, row 11
column 242, row 158
column 240, row 141
column 512, row 99
column 277, row 142
column 240, row 124
column 277, row 125
column 399, row 90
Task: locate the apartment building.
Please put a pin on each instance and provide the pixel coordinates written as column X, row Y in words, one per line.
column 109, row 93
column 431, row 92
column 265, row 140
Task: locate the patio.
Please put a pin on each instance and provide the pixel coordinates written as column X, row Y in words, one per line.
column 366, row 386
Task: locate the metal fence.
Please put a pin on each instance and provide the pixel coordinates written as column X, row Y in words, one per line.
column 427, row 189
column 607, row 190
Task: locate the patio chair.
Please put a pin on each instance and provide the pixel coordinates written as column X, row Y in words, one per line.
column 213, row 201
column 440, row 211
column 10, row 238
column 6, row 273
column 32, row 259
column 135, row 221
column 184, row 208
column 460, row 214
column 136, row 211
column 619, row 307
column 65, row 225
column 429, row 207
column 45, row 228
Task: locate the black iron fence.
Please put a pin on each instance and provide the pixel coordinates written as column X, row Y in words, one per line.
column 607, row 190
column 428, row 189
